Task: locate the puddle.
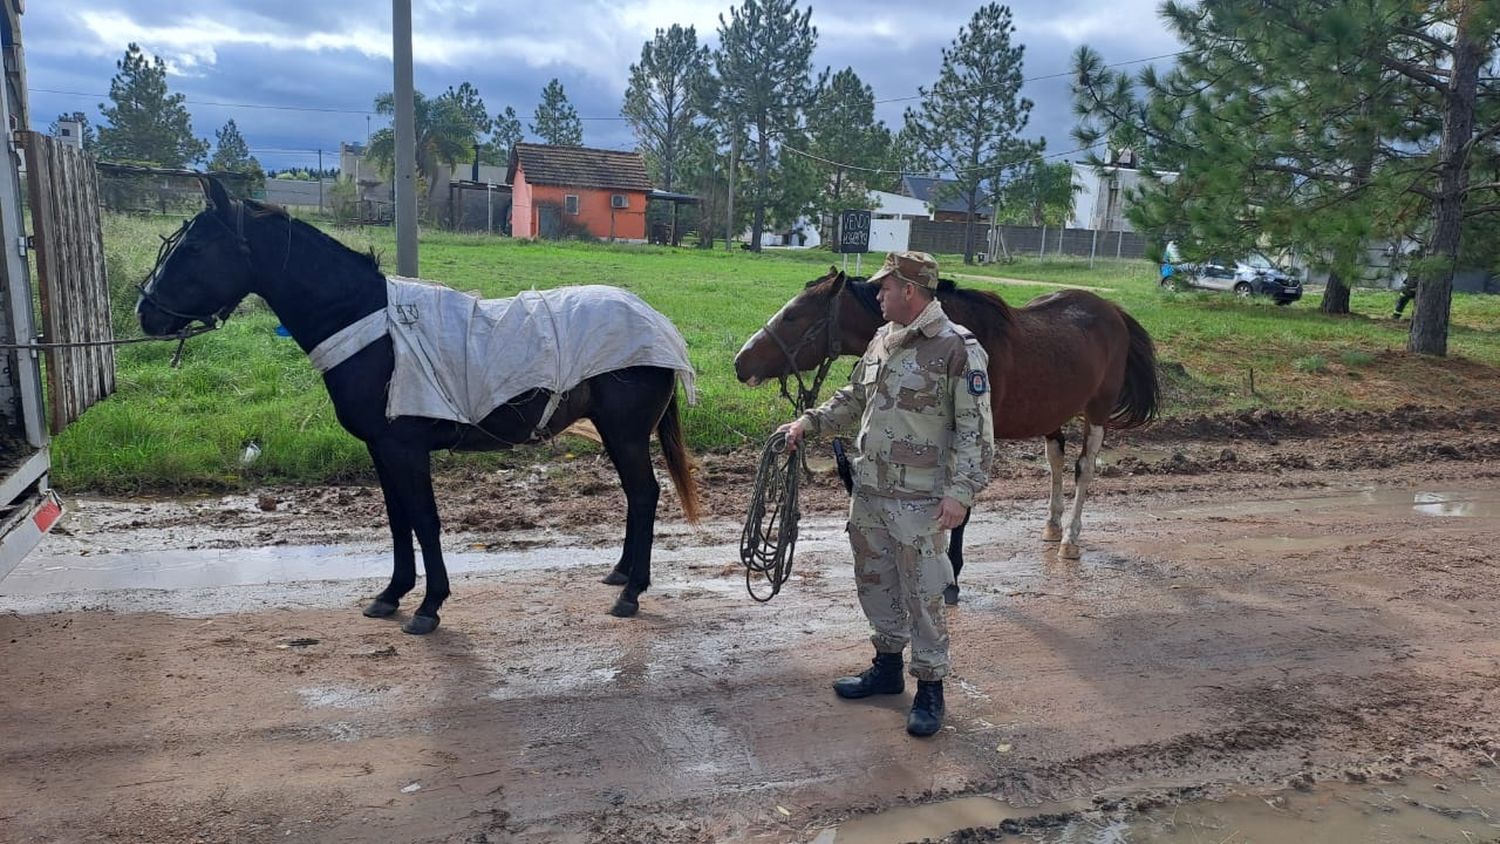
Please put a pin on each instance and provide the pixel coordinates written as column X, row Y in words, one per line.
column 42, row 573
column 930, row 821
column 343, row 697
column 1477, row 503
column 1395, row 813
column 1416, row 810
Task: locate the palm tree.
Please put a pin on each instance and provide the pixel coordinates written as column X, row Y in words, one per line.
column 444, row 134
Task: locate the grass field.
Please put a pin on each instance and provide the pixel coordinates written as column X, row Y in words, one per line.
column 185, row 429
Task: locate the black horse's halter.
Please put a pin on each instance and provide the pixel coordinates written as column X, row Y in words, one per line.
column 808, row 396
column 213, row 320
column 169, row 242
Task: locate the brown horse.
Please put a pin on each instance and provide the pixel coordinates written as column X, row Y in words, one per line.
column 1064, row 354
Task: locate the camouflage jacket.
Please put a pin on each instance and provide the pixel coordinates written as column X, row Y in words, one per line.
column 921, row 395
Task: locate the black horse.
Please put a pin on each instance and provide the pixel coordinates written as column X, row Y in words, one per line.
column 317, row 286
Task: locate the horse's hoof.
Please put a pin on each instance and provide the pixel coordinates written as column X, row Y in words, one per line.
column 950, row 594
column 1070, row 551
column 624, row 607
column 420, row 625
column 380, row 609
column 615, row 578
column 1051, row 533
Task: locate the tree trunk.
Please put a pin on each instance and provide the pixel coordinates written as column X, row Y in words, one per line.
column 1335, row 295
column 1347, row 257
column 1429, row 322
column 762, row 168
column 969, row 227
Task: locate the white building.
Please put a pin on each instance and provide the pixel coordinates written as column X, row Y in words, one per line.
column 895, row 206
column 1104, row 193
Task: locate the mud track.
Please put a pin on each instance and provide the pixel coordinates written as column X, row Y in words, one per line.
column 1265, row 600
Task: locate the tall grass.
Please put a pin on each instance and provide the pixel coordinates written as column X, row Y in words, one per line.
column 186, row 429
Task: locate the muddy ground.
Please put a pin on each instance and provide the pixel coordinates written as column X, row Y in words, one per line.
column 1265, row 601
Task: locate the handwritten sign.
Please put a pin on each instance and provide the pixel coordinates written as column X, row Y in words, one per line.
column 854, row 231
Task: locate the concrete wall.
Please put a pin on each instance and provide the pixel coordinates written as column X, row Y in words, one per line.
column 295, row 192
column 948, row 238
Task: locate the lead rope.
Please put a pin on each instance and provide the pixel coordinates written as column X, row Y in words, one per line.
column 770, row 536
column 181, row 337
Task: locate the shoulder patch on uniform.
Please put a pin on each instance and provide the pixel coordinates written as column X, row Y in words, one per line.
column 979, row 383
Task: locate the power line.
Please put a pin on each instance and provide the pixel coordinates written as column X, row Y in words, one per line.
column 1040, row 78
column 880, row 171
column 332, row 110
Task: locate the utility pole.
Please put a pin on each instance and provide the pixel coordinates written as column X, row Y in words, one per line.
column 406, row 142
column 320, row 181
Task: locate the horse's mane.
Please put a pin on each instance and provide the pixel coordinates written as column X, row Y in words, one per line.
column 948, row 292
column 261, row 210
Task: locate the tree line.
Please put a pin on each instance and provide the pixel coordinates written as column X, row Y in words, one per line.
column 1328, row 127
column 749, row 118
column 1322, row 126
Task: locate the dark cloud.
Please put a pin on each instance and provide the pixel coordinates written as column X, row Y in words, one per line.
column 334, row 54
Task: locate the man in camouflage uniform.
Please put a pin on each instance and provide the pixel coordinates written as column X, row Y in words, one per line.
column 926, row 441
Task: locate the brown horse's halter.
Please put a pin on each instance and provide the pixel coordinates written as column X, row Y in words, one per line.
column 808, row 396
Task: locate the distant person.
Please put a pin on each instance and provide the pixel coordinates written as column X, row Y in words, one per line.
column 1169, row 257
column 1409, row 285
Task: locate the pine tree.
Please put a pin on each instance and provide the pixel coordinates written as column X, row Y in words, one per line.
column 1317, row 125
column 556, row 121
column 968, row 123
column 764, row 63
column 147, row 124
column 842, row 128
column 232, row 155
column 505, row 135
column 467, row 107
column 665, row 98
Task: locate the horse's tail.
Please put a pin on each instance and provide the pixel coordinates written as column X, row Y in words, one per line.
column 1140, row 394
column 679, row 459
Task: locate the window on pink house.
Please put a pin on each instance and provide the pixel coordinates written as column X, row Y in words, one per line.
column 570, row 203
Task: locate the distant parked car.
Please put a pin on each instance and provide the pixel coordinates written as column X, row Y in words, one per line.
column 1255, row 275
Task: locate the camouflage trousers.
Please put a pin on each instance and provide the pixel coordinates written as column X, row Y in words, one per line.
column 900, row 569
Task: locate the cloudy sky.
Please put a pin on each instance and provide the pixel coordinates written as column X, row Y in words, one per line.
column 300, row 75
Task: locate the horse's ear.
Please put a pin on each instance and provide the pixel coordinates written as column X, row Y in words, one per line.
column 213, row 190
column 838, row 282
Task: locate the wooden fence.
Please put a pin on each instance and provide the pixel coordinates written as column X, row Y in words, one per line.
column 69, row 247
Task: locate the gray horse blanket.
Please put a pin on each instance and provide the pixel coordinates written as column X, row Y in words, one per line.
column 459, row 357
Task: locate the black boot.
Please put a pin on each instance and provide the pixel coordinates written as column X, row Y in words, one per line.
column 926, row 715
column 883, row 677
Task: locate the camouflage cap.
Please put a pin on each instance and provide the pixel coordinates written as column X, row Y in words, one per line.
column 917, row 268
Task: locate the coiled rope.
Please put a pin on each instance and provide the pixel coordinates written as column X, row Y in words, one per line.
column 770, row 535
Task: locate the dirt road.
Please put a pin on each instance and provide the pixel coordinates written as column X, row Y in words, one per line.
column 1263, row 601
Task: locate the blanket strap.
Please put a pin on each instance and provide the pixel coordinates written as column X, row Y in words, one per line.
column 556, row 399
column 348, row 340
